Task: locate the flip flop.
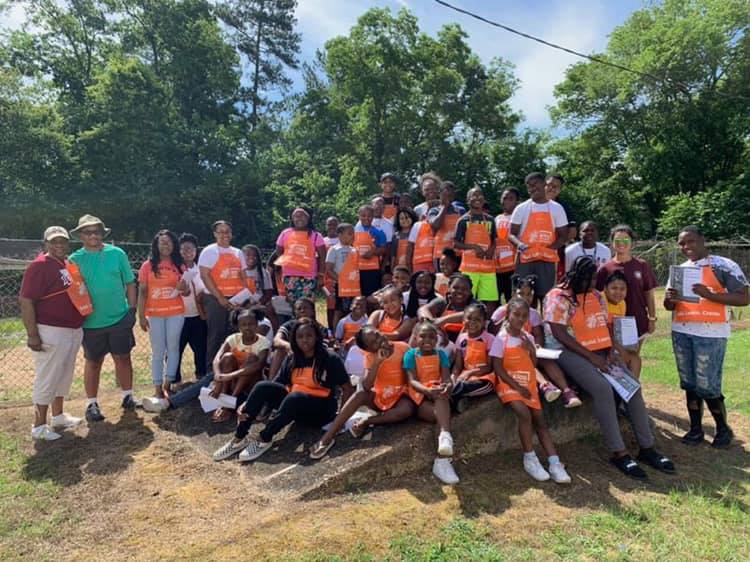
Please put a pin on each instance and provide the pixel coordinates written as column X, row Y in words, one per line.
column 318, row 450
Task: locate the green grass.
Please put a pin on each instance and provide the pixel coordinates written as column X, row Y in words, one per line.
column 659, row 366
column 12, row 332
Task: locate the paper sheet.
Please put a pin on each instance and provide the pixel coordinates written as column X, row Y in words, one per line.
column 682, row 278
column 626, row 331
column 209, row 403
column 622, row 381
column 543, row 353
column 241, row 297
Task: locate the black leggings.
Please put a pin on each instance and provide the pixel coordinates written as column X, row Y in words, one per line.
column 290, row 407
column 194, row 332
column 504, row 285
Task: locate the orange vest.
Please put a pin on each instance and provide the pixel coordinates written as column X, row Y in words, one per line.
column 428, row 373
column 390, row 381
column 424, row 246
column 401, row 247
column 348, row 281
column 77, row 291
column 226, row 274
column 538, row 235
column 303, row 381
column 477, row 233
column 364, row 242
column 519, row 366
column 389, row 211
column 351, row 329
column 280, row 288
column 505, row 252
column 388, row 325
column 444, row 236
column 163, row 299
column 705, row 310
column 476, row 357
column 251, row 285
column 589, row 323
column 299, row 252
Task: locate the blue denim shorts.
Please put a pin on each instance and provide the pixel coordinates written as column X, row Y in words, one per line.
column 700, row 362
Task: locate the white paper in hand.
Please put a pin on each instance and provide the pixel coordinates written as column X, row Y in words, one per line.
column 209, row 403
column 241, row 297
column 626, row 331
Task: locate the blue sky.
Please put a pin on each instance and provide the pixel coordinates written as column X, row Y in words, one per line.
column 583, row 25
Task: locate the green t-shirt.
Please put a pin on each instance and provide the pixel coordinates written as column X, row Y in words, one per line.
column 106, row 273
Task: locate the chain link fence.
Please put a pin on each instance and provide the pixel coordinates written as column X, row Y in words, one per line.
column 17, row 365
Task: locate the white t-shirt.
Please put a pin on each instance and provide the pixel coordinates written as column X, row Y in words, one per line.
column 235, row 343
column 599, row 253
column 339, row 333
column 330, row 242
column 210, row 255
column 267, row 285
column 731, row 277
column 504, row 339
column 521, row 214
column 386, row 226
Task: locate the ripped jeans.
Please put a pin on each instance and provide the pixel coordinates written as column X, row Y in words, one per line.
column 700, row 362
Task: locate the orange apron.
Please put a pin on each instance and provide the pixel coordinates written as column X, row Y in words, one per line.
column 538, row 235
column 424, row 247
column 280, row 288
column 705, row 310
column 251, row 284
column 390, row 380
column 364, row 242
column 351, row 329
column 476, row 233
column 388, row 325
column 402, row 245
column 444, row 236
column 454, row 328
column 77, row 291
column 476, row 357
column 505, row 252
column 299, row 252
column 589, row 323
column 389, row 211
column 226, row 274
column 303, row 381
column 348, row 282
column 428, row 373
column 520, row 368
column 441, row 284
column 162, row 298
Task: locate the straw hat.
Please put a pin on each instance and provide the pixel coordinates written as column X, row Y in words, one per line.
column 91, row 220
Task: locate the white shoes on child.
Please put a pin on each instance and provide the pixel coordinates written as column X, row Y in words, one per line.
column 445, row 444
column 443, row 471
column 44, row 433
column 154, row 405
column 558, row 473
column 534, row 468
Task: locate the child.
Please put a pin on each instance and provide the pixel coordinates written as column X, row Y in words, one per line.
column 615, row 291
column 448, row 313
column 449, row 262
column 391, row 320
column 476, row 237
column 505, row 252
column 331, row 239
column 259, row 282
column 384, row 389
column 303, row 392
column 303, row 308
column 342, row 265
column 388, row 183
column 419, row 253
column 428, row 371
column 347, row 328
column 239, row 363
column 405, row 219
column 421, row 291
column 514, row 360
column 472, row 372
column 523, row 287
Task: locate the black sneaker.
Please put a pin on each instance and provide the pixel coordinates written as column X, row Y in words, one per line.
column 693, row 437
column 723, row 438
column 129, row 403
column 629, row 467
column 656, row 460
column 93, row 413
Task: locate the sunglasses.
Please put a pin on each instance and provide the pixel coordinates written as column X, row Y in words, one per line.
column 622, row 240
column 96, row 232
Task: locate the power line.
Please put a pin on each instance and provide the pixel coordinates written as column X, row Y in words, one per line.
column 678, row 85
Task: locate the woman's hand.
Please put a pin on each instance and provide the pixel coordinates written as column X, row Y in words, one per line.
column 215, row 390
column 143, row 321
column 241, row 415
column 651, row 326
column 599, row 362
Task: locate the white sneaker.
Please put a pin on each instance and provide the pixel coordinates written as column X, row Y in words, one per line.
column 44, row 433
column 65, row 421
column 254, row 450
column 445, row 444
column 535, row 469
column 558, row 473
column 154, row 405
column 229, row 449
column 443, row 471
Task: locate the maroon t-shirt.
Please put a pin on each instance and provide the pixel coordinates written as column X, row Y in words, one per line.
column 640, row 278
column 45, row 276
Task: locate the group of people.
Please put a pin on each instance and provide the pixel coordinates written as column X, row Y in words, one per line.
column 427, row 308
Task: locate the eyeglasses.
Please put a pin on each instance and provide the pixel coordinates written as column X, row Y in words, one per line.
column 91, row 232
column 622, row 240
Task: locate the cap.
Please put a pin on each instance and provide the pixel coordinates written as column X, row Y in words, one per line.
column 55, row 232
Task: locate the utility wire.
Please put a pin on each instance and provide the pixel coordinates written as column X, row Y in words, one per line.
column 682, row 87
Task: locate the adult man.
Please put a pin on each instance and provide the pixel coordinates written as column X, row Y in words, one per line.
column 429, row 184
column 53, row 302
column 388, row 183
column 538, row 228
column 700, row 331
column 588, row 246
column 109, row 328
column 553, row 188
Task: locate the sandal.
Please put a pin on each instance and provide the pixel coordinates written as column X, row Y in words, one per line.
column 221, row 415
column 656, row 460
column 358, row 428
column 318, row 450
column 629, row 467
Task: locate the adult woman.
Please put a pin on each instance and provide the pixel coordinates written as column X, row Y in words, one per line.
column 222, row 268
column 194, row 329
column 576, row 305
column 301, row 251
column 160, row 307
column 639, row 300
column 304, row 391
